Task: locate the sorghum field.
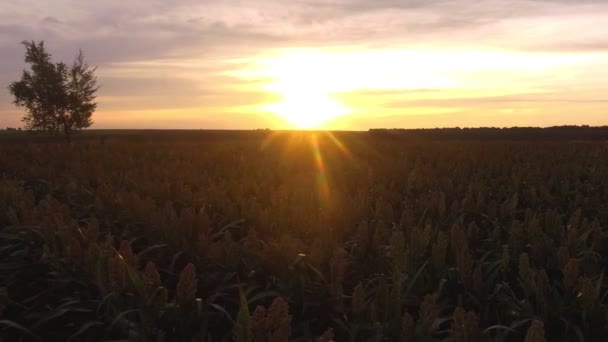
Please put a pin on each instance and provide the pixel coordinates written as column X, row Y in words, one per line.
column 303, row 236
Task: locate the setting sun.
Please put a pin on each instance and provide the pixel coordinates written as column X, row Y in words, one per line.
column 344, row 87
column 306, row 170
column 307, row 109
column 305, row 85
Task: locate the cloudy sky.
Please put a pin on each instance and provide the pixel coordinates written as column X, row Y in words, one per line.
column 350, row 64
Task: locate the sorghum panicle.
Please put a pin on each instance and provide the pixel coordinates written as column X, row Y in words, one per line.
column 185, row 291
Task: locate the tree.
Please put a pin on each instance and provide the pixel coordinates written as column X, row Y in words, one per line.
column 57, row 98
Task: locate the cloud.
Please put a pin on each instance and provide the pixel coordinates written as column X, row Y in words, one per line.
column 51, row 20
column 121, row 36
column 117, row 30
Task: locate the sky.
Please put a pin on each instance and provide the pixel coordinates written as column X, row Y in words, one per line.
column 339, row 64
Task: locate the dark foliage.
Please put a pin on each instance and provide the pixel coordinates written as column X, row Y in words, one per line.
column 277, row 236
column 57, row 98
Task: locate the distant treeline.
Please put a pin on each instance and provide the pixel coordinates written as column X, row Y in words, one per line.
column 495, row 133
column 474, row 134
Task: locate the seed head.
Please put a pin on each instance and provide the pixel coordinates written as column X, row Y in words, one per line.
column 127, row 254
column 384, row 211
column 338, row 264
column 151, row 278
column 460, row 249
column 75, row 251
column 473, row 231
column 407, row 327
column 465, row 326
column 203, row 223
column 317, row 255
column 586, row 293
column 117, row 273
column 328, row 336
column 358, row 299
column 441, row 205
column 526, row 273
column 381, row 234
column 259, row 325
column 428, row 312
column 159, row 299
column 185, row 291
column 570, row 272
column 439, row 252
column 92, row 231
column 517, row 237
column 92, row 254
column 477, row 278
column 397, row 250
column 252, row 243
column 187, row 218
column 536, row 332
column 362, row 237
column 543, row 289
column 563, row 256
column 279, row 320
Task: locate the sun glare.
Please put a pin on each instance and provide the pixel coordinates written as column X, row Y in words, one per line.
column 306, row 87
column 306, row 110
column 306, row 96
column 308, row 81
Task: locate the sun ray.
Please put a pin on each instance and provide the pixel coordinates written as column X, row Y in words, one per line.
column 268, row 140
column 339, row 144
column 321, row 171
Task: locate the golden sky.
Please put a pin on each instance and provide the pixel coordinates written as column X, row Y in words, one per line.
column 341, row 64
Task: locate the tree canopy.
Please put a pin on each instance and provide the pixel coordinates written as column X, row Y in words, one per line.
column 57, row 97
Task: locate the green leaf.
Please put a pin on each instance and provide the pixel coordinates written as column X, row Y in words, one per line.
column 120, row 316
column 264, row 294
column 242, row 328
column 151, row 249
column 498, row 327
column 135, row 279
column 50, row 317
column 21, row 328
column 223, row 311
column 85, row 327
column 103, row 301
column 412, row 281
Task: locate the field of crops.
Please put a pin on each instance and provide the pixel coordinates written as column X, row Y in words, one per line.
column 300, row 236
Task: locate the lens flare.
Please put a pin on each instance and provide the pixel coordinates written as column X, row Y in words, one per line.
column 321, row 172
column 340, row 145
column 305, row 109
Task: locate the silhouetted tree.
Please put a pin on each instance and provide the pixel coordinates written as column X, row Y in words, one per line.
column 57, row 98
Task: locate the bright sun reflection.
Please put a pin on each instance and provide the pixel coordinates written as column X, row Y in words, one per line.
column 306, row 89
column 308, row 80
column 306, row 109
